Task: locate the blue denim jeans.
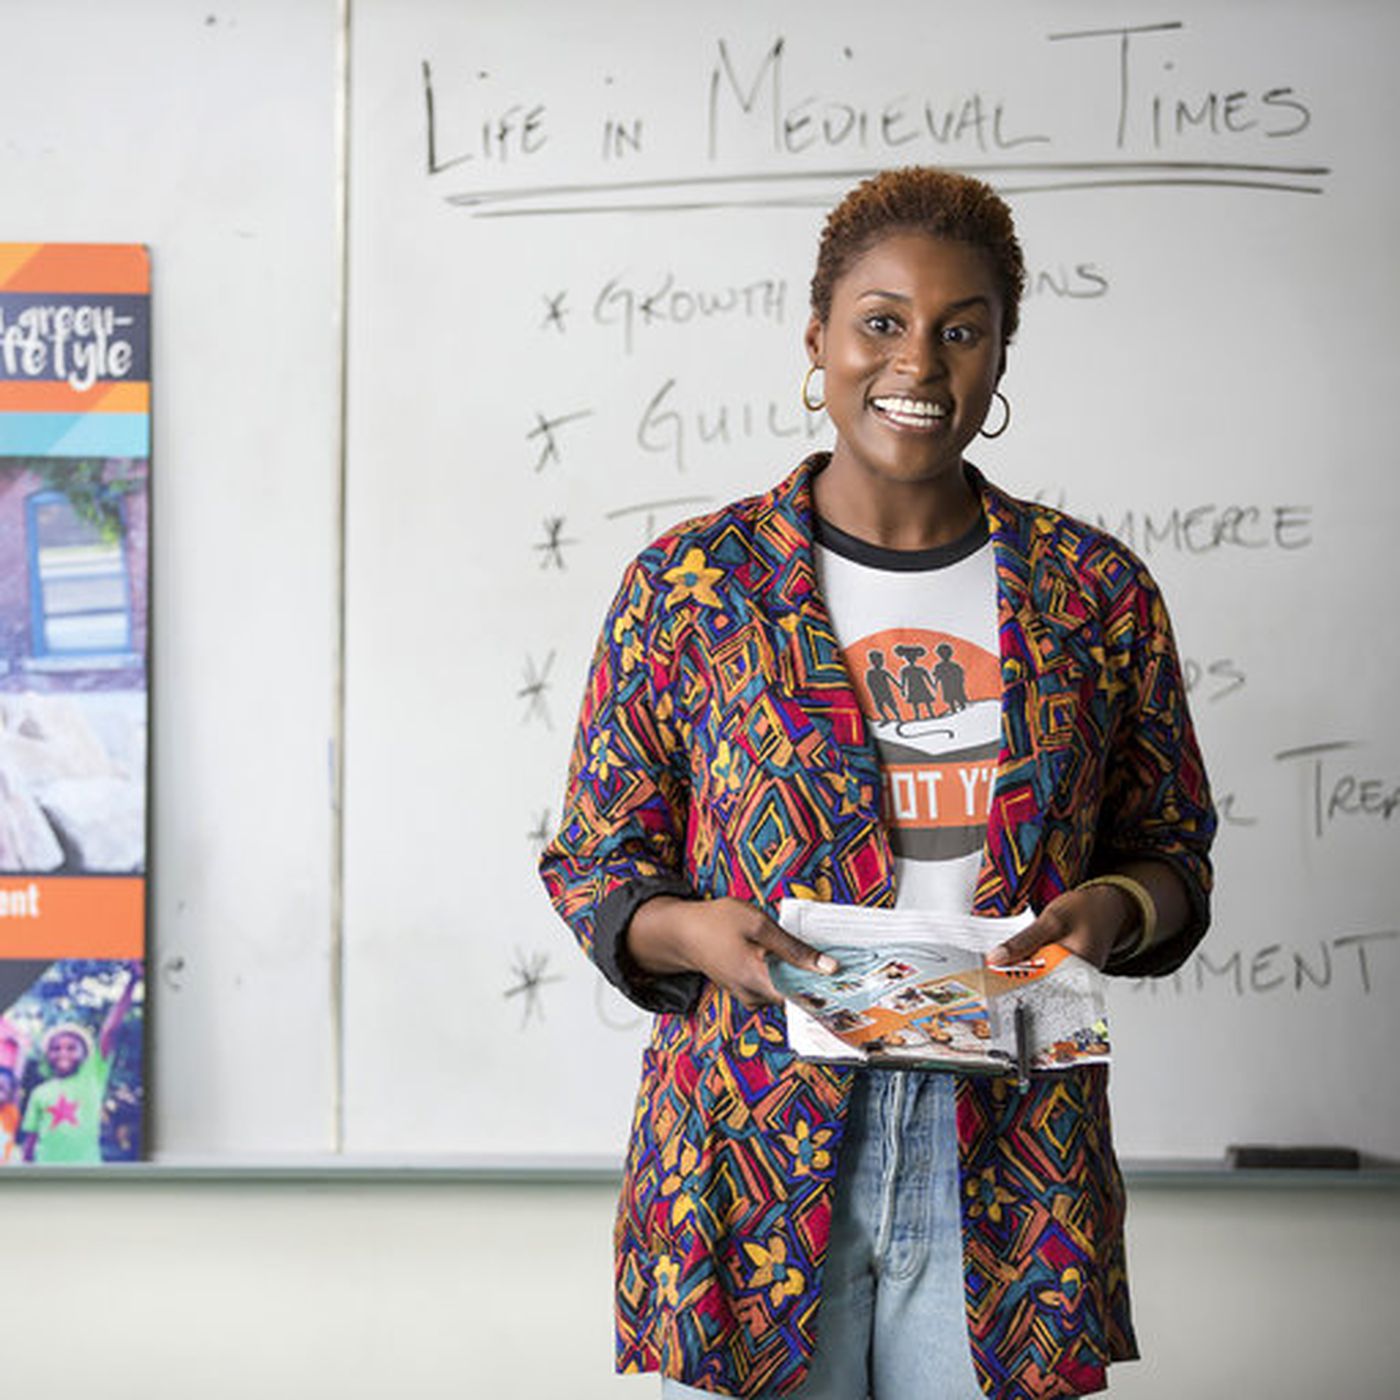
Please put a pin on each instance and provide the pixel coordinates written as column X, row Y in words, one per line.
column 892, row 1324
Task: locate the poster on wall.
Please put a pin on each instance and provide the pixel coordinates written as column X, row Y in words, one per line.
column 75, row 433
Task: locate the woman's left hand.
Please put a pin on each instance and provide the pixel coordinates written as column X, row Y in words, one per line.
column 1089, row 922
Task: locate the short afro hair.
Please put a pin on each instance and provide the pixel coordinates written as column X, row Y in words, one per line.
column 922, row 199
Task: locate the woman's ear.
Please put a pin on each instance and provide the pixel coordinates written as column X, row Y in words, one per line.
column 1001, row 363
column 815, row 340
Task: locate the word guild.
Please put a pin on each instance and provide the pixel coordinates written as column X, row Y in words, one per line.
column 673, row 430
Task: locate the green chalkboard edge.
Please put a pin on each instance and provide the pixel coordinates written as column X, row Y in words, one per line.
column 345, row 1171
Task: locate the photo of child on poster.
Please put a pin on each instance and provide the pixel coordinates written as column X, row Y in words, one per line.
column 71, row 1051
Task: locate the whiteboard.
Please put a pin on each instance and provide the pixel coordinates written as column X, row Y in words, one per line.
column 579, row 241
column 207, row 133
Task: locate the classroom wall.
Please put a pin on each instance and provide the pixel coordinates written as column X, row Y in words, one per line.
column 300, row 925
column 210, row 1289
column 215, row 1289
column 208, row 133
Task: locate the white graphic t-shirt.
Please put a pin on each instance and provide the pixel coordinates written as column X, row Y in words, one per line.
column 918, row 629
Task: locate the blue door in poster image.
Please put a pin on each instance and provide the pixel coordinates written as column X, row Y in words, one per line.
column 80, row 603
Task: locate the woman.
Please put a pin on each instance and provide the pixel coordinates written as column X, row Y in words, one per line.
column 929, row 1235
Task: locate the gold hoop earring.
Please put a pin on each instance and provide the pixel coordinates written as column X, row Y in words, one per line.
column 1005, row 422
column 807, row 388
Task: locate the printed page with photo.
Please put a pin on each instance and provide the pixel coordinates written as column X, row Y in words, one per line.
column 913, row 989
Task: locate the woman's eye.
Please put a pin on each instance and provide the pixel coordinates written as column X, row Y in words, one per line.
column 881, row 324
column 961, row 335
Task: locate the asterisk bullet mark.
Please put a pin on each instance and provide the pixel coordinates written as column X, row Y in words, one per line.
column 536, row 689
column 531, row 978
column 555, row 312
column 544, row 427
column 551, row 549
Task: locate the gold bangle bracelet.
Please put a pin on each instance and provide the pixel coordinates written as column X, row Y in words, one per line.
column 1147, row 912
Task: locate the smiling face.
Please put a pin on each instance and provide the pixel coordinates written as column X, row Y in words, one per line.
column 912, row 351
column 65, row 1054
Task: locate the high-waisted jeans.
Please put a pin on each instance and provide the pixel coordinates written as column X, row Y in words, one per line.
column 892, row 1323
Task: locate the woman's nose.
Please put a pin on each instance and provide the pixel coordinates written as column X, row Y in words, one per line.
column 920, row 357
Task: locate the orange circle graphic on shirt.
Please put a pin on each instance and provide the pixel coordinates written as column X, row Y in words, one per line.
column 923, row 677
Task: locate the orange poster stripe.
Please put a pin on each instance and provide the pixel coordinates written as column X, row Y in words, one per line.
column 13, row 257
column 75, row 267
column 72, row 917
column 53, row 396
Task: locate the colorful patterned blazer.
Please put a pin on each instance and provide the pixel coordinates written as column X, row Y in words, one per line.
column 722, row 751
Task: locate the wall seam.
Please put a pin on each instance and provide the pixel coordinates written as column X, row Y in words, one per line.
column 337, row 742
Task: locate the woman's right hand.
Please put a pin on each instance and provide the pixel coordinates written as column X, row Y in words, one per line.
column 725, row 939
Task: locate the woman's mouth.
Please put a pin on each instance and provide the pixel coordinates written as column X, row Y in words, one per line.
column 909, row 413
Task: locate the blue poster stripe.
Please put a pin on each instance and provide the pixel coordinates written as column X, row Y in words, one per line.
column 75, row 435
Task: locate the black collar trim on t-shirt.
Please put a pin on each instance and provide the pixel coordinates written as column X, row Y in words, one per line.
column 876, row 556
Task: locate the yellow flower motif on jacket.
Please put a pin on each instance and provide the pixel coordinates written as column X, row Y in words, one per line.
column 773, row 1272
column 600, row 757
column 668, row 1274
column 728, row 768
column 627, row 634
column 693, row 578
column 820, row 889
column 987, row 1196
column 807, row 1149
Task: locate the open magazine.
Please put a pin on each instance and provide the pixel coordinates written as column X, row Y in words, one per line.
column 913, row 990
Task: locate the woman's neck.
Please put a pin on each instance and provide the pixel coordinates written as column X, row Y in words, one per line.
column 896, row 514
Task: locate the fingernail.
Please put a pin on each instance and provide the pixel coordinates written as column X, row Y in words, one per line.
column 998, row 955
column 826, row 964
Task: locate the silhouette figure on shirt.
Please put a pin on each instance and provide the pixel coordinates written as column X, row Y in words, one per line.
column 881, row 685
column 915, row 681
column 951, row 679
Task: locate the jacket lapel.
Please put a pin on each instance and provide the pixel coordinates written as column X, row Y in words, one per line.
column 810, row 665
column 1040, row 616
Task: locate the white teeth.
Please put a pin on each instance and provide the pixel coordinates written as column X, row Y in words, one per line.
column 920, row 409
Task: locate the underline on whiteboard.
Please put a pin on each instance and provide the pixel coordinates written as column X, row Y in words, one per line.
column 1310, row 750
column 816, row 202
column 656, row 505
column 1114, row 174
column 1119, row 32
column 1158, row 180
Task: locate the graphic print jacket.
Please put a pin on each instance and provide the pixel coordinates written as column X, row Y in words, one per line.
column 721, row 750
